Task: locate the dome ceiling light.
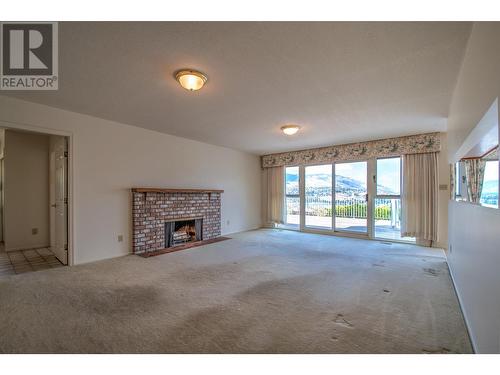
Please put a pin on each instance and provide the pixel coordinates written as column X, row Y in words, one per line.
column 191, row 80
column 290, row 129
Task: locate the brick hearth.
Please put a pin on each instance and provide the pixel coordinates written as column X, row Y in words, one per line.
column 151, row 208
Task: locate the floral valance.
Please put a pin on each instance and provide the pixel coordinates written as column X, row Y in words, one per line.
column 413, row 144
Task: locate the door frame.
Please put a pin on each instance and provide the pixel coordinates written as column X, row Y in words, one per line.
column 70, row 136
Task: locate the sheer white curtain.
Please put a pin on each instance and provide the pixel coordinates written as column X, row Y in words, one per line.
column 275, row 195
column 419, row 198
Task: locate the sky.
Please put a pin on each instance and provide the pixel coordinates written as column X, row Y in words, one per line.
column 356, row 171
column 491, row 171
column 389, row 173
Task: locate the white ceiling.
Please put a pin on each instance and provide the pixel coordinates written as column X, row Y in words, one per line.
column 341, row 81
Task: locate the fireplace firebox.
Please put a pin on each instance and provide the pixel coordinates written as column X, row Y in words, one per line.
column 182, row 231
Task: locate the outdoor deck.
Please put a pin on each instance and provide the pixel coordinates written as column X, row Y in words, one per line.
column 383, row 228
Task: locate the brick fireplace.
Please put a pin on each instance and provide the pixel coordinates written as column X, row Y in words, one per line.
column 165, row 218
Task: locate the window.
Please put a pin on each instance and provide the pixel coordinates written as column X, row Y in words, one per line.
column 489, row 192
column 292, row 197
column 318, row 196
column 337, row 197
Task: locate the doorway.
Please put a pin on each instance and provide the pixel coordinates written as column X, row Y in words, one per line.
column 34, row 214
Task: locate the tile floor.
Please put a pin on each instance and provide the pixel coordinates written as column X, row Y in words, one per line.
column 21, row 261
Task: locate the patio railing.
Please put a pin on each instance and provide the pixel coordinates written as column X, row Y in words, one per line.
column 349, row 208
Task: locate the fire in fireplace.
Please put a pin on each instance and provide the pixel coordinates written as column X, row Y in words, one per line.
column 182, row 231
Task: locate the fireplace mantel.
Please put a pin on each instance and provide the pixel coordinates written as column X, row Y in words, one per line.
column 160, row 190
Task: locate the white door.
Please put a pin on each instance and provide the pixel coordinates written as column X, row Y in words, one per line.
column 59, row 197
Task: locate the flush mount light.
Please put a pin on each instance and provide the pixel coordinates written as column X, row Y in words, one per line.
column 290, row 129
column 191, row 80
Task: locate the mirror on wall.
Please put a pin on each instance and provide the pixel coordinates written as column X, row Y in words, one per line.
column 476, row 180
column 475, row 174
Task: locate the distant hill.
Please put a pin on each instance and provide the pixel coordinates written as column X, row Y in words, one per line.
column 384, row 190
column 343, row 183
column 321, row 181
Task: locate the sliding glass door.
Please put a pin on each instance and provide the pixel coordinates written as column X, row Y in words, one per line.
column 351, row 204
column 318, row 196
column 340, row 197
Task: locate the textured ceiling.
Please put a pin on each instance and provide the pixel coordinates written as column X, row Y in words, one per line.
column 341, row 81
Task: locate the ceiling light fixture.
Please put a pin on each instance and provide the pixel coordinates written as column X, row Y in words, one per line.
column 290, row 129
column 191, row 80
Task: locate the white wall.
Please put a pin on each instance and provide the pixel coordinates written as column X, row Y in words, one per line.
column 109, row 158
column 2, row 143
column 444, row 195
column 474, row 231
column 26, row 185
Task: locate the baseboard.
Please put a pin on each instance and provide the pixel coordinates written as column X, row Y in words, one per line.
column 439, row 245
column 240, row 231
column 464, row 314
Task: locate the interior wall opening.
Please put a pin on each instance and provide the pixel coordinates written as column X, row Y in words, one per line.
column 34, row 201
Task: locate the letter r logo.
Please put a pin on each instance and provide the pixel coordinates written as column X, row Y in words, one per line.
column 27, row 49
column 35, row 41
column 29, row 56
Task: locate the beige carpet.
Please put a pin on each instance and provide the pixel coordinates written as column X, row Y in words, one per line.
column 264, row 291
